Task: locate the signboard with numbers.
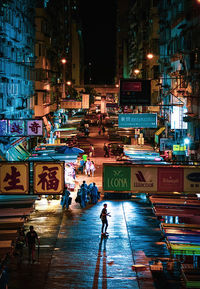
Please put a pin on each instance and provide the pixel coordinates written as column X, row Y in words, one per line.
column 14, row 178
column 48, row 178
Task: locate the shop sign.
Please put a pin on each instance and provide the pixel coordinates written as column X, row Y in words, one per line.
column 14, row 178
column 20, row 128
column 137, row 120
column 170, row 179
column 144, row 179
column 48, row 178
column 116, row 178
column 135, row 92
column 191, row 180
column 71, row 104
column 3, row 127
column 16, row 127
column 34, row 127
column 85, row 101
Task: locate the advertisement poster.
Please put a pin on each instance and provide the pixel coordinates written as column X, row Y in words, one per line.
column 144, row 179
column 170, row 179
column 117, row 178
column 14, row 178
column 192, row 180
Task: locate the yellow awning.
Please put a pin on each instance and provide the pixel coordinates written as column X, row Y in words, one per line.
column 161, row 129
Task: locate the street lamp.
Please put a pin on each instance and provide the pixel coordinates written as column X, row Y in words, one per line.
column 63, row 61
column 150, row 55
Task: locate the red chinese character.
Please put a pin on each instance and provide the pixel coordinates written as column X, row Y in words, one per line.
column 14, row 180
column 16, row 128
column 48, row 178
column 34, row 127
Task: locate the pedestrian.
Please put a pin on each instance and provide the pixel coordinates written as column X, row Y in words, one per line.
column 84, row 191
column 87, row 167
column 20, row 242
column 81, row 165
column 87, row 132
column 94, row 193
column 92, row 168
column 3, row 277
column 106, row 151
column 104, row 219
column 65, row 199
column 31, row 238
column 99, row 130
column 103, row 130
column 91, row 150
column 84, row 157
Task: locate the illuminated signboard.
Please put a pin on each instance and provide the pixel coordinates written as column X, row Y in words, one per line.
column 135, row 92
column 14, row 178
column 137, row 120
column 150, row 178
column 18, row 127
column 34, row 127
column 48, row 178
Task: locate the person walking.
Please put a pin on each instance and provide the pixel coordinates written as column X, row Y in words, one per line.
column 99, row 130
column 92, row 168
column 83, row 191
column 104, row 219
column 103, row 130
column 84, row 157
column 94, row 193
column 91, row 151
column 106, row 151
column 65, row 199
column 87, row 168
column 31, row 238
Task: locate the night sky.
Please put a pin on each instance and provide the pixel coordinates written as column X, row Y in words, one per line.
column 99, row 24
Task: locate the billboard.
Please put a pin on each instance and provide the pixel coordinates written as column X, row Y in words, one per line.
column 150, row 178
column 135, row 92
column 137, row 120
column 117, row 178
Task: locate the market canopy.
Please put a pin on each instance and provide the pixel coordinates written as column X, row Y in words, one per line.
column 69, row 150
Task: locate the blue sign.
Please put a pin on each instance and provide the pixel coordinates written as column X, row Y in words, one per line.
column 137, row 120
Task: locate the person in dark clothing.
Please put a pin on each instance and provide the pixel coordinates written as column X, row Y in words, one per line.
column 31, row 238
column 104, row 220
column 106, row 151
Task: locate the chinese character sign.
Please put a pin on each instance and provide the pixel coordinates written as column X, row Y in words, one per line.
column 16, row 127
column 34, row 127
column 48, row 178
column 14, row 178
column 3, row 127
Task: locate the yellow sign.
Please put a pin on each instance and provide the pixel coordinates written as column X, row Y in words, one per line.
column 14, row 178
column 48, row 178
column 179, row 148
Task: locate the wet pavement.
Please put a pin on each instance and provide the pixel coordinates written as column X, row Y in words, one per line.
column 72, row 253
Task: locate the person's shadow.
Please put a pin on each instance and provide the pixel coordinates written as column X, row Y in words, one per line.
column 103, row 242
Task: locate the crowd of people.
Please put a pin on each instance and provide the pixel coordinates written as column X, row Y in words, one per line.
column 87, row 194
